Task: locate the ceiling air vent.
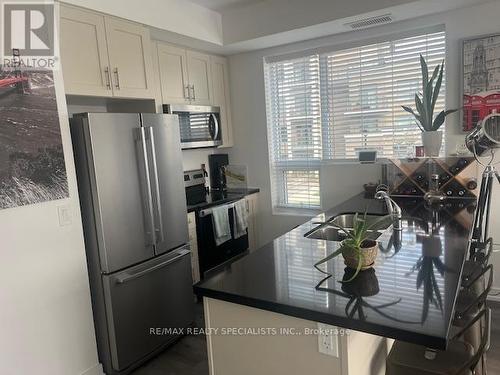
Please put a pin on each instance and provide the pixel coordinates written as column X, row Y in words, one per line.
column 369, row 22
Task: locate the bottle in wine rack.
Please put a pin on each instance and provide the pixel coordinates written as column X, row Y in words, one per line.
column 444, row 178
column 421, row 179
column 456, row 191
column 458, row 166
column 471, row 184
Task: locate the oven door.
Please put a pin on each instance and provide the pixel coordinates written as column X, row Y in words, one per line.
column 210, row 255
column 199, row 125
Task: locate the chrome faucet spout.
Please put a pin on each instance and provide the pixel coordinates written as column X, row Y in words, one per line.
column 392, row 208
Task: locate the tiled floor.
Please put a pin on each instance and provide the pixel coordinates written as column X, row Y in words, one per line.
column 189, row 355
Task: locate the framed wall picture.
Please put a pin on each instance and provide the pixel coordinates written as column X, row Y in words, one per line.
column 481, row 79
column 32, row 166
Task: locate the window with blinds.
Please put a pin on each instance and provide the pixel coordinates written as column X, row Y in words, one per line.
column 330, row 105
column 294, row 125
column 364, row 89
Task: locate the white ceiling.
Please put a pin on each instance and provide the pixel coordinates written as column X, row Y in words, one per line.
column 219, row 5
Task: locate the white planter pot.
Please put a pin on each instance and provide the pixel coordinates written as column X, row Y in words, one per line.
column 432, row 141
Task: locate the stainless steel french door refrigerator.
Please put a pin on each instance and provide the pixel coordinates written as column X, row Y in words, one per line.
column 129, row 169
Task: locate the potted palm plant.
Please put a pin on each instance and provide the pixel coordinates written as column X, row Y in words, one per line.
column 425, row 103
column 358, row 249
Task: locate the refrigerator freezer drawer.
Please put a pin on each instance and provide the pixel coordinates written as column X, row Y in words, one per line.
column 156, row 294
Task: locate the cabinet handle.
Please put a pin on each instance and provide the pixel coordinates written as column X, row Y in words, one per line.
column 194, row 94
column 117, row 76
column 108, row 78
column 186, row 92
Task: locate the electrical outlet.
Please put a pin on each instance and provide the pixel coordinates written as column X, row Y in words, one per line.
column 328, row 340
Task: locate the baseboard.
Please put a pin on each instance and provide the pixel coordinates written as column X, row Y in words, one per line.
column 94, row 370
column 494, row 295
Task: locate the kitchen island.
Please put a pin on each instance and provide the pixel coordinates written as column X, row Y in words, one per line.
column 409, row 295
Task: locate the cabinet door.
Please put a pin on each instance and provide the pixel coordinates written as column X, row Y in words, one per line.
column 84, row 55
column 173, row 74
column 200, row 80
column 221, row 97
column 129, row 47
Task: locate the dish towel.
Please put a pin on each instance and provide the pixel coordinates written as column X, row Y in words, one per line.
column 240, row 218
column 220, row 221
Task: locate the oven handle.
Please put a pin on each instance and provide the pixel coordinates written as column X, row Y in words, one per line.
column 208, row 211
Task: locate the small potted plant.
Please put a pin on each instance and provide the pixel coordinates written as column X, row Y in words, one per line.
column 358, row 249
column 425, row 103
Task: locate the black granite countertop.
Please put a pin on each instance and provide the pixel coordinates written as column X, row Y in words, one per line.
column 216, row 197
column 409, row 294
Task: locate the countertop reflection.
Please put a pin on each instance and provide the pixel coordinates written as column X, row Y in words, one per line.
column 408, row 295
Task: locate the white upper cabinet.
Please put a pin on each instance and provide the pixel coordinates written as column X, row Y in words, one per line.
column 221, row 97
column 129, row 48
column 104, row 56
column 172, row 63
column 84, row 54
column 185, row 76
column 200, row 79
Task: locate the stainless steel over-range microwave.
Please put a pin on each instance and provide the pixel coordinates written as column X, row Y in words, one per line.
column 199, row 124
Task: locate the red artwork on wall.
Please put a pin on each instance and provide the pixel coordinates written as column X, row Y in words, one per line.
column 481, row 79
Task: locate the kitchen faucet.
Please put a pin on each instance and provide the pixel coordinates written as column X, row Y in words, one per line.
column 392, row 207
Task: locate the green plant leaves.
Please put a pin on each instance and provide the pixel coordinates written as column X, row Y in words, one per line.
column 425, row 102
column 436, row 71
column 409, row 110
column 425, row 72
column 327, row 258
column 380, row 220
column 437, row 87
column 439, row 120
column 421, row 111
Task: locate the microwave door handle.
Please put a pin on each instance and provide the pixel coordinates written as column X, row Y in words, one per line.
column 216, row 126
column 155, row 184
column 145, row 181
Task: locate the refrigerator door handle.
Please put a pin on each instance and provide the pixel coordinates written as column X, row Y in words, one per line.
column 146, row 181
column 155, row 184
column 129, row 277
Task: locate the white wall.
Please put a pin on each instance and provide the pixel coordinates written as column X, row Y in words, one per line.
column 179, row 16
column 46, row 319
column 249, row 117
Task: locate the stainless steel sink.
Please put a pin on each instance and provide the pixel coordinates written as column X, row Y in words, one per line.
column 330, row 233
column 347, row 221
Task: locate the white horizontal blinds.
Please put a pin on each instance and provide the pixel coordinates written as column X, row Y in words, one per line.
column 294, row 129
column 363, row 90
